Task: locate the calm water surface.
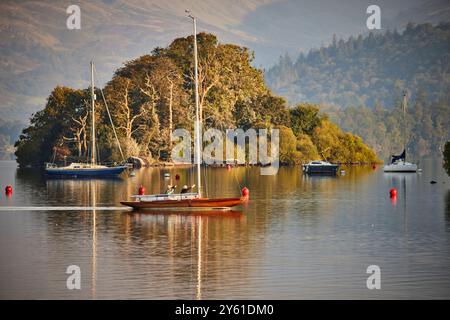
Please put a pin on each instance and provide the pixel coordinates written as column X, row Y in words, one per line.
column 298, row 237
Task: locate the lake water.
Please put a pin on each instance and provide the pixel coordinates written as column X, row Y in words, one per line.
column 298, row 237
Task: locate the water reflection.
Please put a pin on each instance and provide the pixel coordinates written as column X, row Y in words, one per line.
column 298, row 237
column 207, row 242
column 447, row 206
column 93, row 193
column 199, row 260
column 401, row 181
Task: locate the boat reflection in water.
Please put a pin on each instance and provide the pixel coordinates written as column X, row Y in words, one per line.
column 186, row 213
column 195, row 224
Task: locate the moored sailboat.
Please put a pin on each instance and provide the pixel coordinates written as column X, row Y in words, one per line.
column 399, row 163
column 192, row 200
column 92, row 169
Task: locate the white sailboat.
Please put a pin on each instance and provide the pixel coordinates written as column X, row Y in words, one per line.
column 399, row 163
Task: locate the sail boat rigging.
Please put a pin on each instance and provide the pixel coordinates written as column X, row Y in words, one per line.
column 194, row 199
column 87, row 169
column 399, row 163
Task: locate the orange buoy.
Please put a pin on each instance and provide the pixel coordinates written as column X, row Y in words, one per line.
column 228, row 167
column 245, row 192
column 141, row 190
column 393, row 192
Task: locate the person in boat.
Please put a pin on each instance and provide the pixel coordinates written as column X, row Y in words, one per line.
column 170, row 189
column 186, row 189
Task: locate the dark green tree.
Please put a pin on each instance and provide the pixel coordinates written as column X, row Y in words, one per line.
column 446, row 155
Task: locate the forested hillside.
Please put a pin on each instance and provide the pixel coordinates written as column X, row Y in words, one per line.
column 364, row 70
column 360, row 82
column 427, row 126
column 9, row 133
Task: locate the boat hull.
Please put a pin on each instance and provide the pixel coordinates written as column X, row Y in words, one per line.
column 86, row 172
column 319, row 169
column 199, row 203
column 400, row 168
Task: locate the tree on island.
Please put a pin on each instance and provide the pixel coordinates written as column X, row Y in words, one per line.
column 152, row 95
column 446, row 155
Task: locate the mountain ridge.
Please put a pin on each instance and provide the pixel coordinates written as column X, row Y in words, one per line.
column 364, row 71
column 38, row 52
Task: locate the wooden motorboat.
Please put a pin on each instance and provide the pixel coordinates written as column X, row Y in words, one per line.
column 320, row 167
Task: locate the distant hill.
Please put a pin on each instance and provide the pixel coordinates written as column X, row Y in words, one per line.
column 363, row 70
column 37, row 52
column 9, row 133
column 430, row 11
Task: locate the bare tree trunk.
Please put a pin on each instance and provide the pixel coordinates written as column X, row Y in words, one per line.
column 129, row 124
column 84, row 143
column 78, row 135
column 170, row 113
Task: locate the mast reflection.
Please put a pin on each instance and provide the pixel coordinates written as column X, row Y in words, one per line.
column 92, row 192
column 175, row 224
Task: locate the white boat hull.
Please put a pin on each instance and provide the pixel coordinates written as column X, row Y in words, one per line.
column 400, row 167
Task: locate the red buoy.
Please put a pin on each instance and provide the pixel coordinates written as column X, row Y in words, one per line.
column 245, row 192
column 177, row 177
column 228, row 167
column 374, row 167
column 393, row 192
column 8, row 190
column 141, row 190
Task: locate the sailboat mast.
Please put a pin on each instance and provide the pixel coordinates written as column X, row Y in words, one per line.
column 404, row 122
column 93, row 147
column 197, row 116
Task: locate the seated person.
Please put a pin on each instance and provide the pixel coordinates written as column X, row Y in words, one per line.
column 170, row 189
column 185, row 188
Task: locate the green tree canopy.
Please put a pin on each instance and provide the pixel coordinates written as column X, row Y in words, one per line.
column 305, row 118
column 152, row 95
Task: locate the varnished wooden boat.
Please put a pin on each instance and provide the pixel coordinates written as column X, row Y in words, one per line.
column 183, row 202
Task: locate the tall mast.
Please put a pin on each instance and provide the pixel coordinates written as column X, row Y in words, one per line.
column 197, row 117
column 404, row 122
column 93, row 147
